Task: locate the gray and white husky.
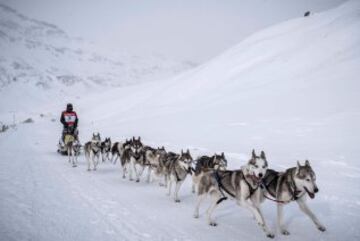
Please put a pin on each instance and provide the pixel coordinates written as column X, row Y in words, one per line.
column 152, row 160
column 206, row 163
column 105, row 149
column 241, row 185
column 133, row 156
column 73, row 151
column 116, row 151
column 177, row 166
column 92, row 151
column 292, row 185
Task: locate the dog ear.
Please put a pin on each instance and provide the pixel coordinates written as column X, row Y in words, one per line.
column 297, row 166
column 182, row 152
column 222, row 154
column 139, row 138
column 253, row 154
column 262, row 155
column 307, row 163
column 188, row 151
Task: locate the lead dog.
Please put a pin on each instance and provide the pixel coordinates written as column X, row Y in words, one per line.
column 92, row 151
column 292, row 185
column 241, row 185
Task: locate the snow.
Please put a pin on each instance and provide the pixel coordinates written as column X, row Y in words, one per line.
column 290, row 90
column 44, row 55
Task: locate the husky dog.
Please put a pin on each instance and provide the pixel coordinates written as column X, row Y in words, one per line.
column 205, row 163
column 241, row 185
column 292, row 185
column 105, row 149
column 153, row 160
column 72, row 148
column 137, row 158
column 132, row 156
column 177, row 167
column 116, row 151
column 124, row 151
column 92, row 151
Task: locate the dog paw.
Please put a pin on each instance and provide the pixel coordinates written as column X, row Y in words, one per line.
column 270, row 235
column 285, row 232
column 212, row 223
column 196, row 215
column 321, row 228
column 88, row 169
column 137, row 180
column 177, row 200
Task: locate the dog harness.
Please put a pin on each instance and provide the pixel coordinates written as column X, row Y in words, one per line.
column 223, row 188
column 290, row 185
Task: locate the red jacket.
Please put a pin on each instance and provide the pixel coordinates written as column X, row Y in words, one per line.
column 69, row 118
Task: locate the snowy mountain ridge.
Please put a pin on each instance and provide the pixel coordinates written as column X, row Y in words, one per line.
column 41, row 53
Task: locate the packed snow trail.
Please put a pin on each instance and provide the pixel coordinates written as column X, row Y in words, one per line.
column 44, row 198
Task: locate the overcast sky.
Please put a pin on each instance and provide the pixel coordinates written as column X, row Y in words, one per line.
column 190, row 29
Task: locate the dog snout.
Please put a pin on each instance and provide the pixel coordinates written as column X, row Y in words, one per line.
column 316, row 189
column 260, row 175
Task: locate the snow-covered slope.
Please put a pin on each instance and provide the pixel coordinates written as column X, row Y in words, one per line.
column 290, row 90
column 44, row 55
column 291, row 84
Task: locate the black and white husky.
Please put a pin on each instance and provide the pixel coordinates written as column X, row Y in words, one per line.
column 177, row 166
column 92, row 151
column 206, row 163
column 242, row 185
column 292, row 185
column 105, row 149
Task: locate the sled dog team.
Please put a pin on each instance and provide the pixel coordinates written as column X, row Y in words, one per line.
column 248, row 186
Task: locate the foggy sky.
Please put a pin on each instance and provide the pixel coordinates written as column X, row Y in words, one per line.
column 190, row 29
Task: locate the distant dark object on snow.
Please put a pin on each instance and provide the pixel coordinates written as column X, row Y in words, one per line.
column 306, row 14
column 28, row 120
column 3, row 127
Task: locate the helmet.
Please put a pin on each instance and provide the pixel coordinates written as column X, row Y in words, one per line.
column 69, row 107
